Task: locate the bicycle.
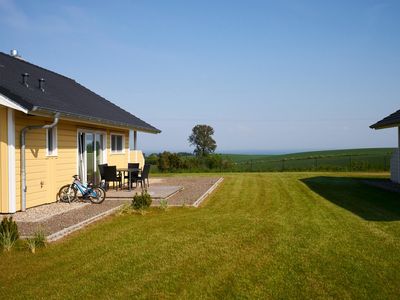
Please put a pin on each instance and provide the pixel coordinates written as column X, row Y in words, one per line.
column 69, row 192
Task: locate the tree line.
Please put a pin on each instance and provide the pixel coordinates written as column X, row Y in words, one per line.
column 202, row 158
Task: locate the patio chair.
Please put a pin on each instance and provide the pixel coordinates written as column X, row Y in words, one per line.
column 145, row 175
column 101, row 170
column 110, row 175
column 134, row 175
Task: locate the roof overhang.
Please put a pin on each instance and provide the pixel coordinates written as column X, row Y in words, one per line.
column 45, row 112
column 377, row 126
column 5, row 101
column 391, row 121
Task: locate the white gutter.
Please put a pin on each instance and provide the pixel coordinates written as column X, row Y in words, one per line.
column 7, row 102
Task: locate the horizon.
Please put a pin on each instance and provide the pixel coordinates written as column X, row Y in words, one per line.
column 268, row 152
column 266, row 76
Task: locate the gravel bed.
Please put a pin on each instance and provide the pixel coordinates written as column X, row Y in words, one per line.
column 64, row 220
column 46, row 211
column 193, row 188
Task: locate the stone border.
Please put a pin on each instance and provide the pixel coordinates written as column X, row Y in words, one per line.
column 173, row 194
column 207, row 193
column 66, row 231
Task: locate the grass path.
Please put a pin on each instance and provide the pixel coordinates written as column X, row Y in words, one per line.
column 272, row 235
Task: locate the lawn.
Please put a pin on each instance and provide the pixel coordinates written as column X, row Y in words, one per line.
column 261, row 235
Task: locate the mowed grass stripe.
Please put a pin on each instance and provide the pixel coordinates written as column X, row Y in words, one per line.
column 263, row 235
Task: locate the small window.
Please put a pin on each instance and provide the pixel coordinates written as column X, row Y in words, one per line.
column 117, row 143
column 51, row 141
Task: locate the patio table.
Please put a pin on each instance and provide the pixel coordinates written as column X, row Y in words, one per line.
column 129, row 171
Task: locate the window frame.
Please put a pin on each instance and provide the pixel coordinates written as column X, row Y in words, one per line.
column 122, row 151
column 54, row 151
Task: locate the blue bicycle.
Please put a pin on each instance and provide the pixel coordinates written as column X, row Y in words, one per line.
column 72, row 192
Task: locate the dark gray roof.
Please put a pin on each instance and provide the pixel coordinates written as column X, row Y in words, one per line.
column 61, row 94
column 392, row 120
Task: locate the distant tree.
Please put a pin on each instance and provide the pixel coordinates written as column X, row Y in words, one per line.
column 201, row 138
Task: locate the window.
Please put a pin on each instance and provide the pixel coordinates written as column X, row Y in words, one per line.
column 117, row 143
column 51, row 141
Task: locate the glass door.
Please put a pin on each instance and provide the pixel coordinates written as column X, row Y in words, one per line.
column 91, row 153
column 98, row 155
column 90, row 166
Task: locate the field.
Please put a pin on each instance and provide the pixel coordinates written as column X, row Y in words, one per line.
column 239, row 158
column 373, row 159
column 260, row 235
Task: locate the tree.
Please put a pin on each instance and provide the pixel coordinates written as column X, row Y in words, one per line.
column 201, row 138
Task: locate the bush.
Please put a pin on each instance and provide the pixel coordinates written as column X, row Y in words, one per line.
column 142, row 201
column 168, row 161
column 152, row 159
column 163, row 204
column 37, row 241
column 8, row 233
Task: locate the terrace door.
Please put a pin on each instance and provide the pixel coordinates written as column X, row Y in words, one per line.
column 91, row 152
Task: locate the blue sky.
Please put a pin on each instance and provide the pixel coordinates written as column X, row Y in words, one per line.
column 267, row 75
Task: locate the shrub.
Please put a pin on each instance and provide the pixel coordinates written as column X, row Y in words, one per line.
column 152, row 159
column 168, row 161
column 8, row 233
column 142, row 201
column 37, row 241
column 163, row 204
column 31, row 244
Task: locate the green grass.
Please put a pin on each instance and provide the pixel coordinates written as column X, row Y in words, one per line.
column 260, row 235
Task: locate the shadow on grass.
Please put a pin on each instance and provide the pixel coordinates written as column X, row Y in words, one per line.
column 368, row 202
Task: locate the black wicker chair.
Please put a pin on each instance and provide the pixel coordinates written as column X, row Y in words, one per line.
column 110, row 175
column 145, row 175
column 101, row 170
column 134, row 175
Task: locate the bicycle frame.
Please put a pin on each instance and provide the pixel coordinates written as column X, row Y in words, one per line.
column 84, row 190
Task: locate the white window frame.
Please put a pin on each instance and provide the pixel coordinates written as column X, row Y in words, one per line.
column 55, row 142
column 123, row 143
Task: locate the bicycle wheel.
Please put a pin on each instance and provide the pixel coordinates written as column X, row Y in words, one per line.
column 67, row 194
column 97, row 195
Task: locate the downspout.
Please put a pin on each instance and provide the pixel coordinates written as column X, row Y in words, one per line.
column 22, row 159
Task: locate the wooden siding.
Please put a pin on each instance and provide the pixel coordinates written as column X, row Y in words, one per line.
column 3, row 160
column 118, row 159
column 44, row 174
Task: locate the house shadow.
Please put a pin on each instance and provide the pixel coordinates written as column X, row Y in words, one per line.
column 369, row 202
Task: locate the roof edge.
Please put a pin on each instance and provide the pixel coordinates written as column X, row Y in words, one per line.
column 5, row 101
column 38, row 110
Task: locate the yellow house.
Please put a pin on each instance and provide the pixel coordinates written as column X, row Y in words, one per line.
column 51, row 128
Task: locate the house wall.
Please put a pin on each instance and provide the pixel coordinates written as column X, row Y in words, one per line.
column 3, row 160
column 137, row 156
column 46, row 174
column 118, row 159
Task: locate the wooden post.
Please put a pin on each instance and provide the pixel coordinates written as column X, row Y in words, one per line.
column 135, row 140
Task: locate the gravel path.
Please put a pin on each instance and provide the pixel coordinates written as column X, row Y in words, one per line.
column 54, row 217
